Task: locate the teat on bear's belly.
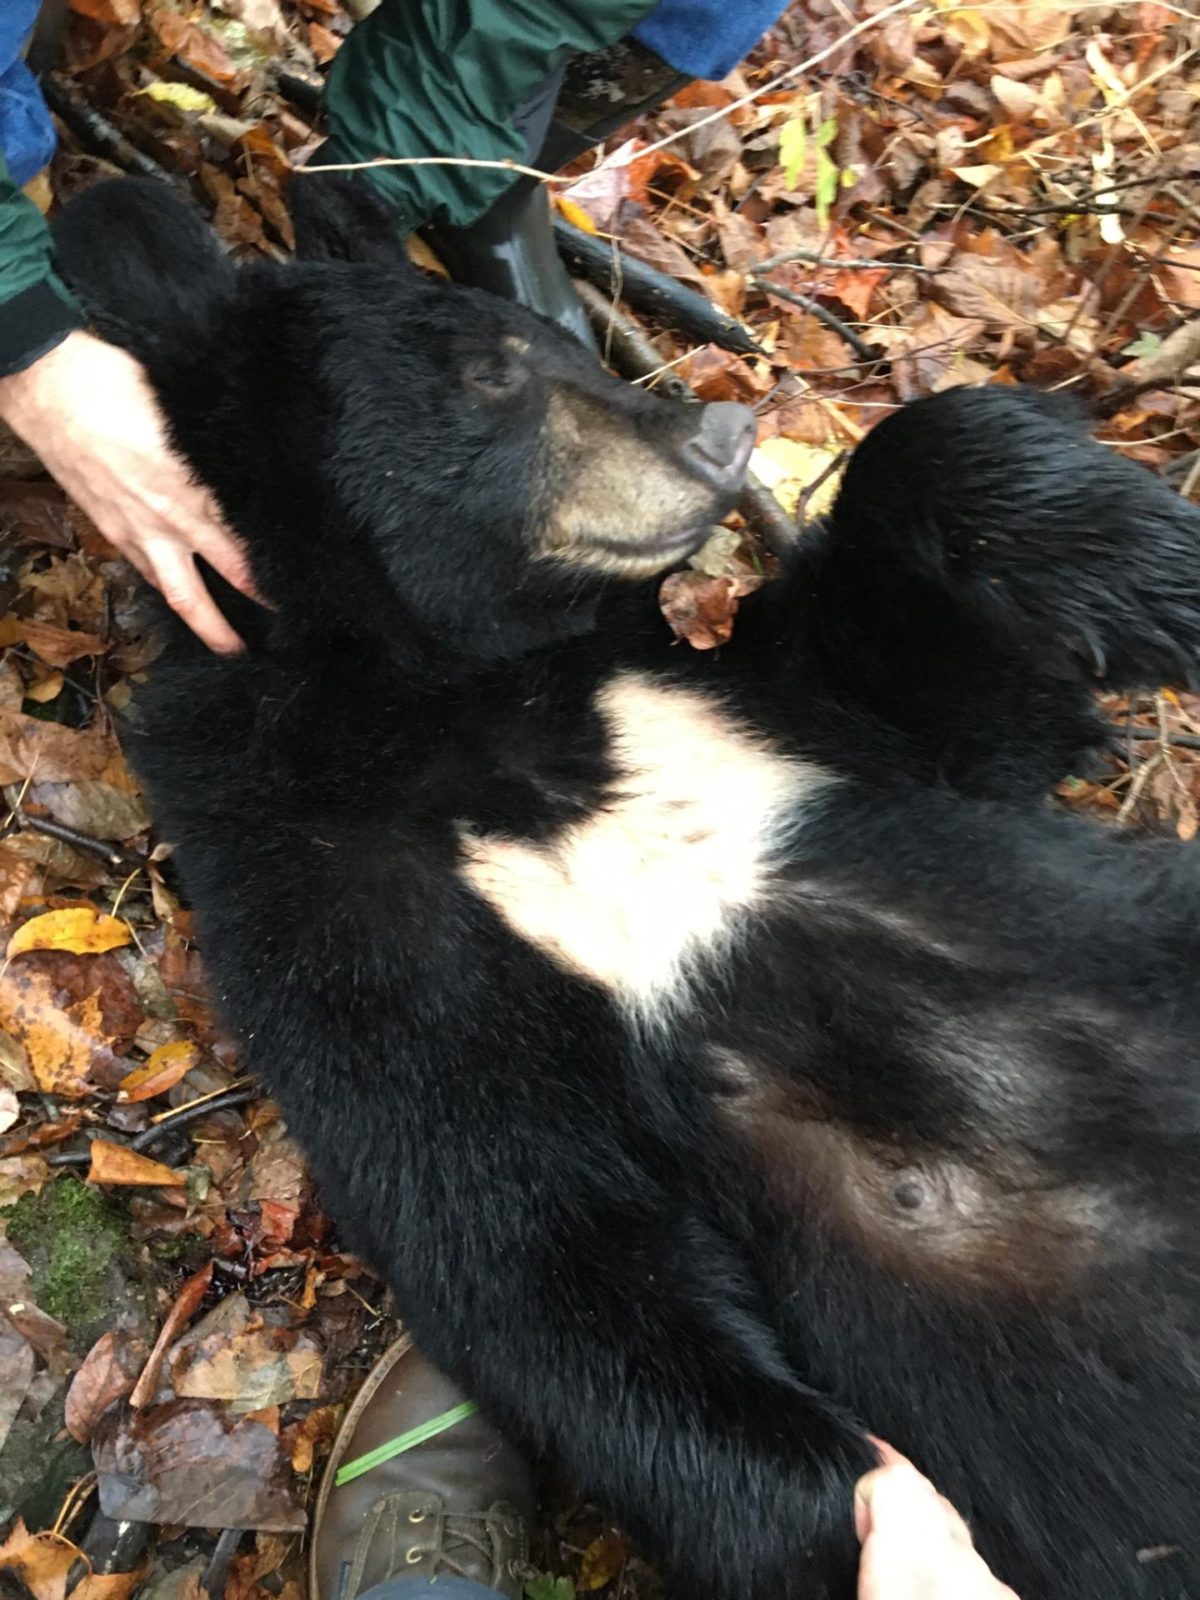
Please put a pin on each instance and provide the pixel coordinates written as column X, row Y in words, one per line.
column 658, row 876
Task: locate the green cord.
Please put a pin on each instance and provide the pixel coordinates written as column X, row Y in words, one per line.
column 405, row 1441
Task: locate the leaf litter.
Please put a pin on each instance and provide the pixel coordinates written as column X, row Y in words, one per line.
column 960, row 194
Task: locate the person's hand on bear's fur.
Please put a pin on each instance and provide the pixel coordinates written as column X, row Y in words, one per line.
column 915, row 1546
column 88, row 411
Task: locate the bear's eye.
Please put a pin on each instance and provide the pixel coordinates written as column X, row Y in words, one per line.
column 495, row 378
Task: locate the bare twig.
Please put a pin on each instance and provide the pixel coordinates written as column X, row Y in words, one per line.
column 854, row 264
column 816, row 309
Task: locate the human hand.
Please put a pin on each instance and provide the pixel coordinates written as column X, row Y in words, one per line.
column 88, row 411
column 915, row 1546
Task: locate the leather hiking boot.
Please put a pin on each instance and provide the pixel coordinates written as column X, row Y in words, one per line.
column 458, row 1504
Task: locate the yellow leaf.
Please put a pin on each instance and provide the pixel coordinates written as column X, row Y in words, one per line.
column 116, row 1163
column 81, row 929
column 575, row 215
column 180, row 95
column 161, row 1071
column 968, row 29
column 789, row 468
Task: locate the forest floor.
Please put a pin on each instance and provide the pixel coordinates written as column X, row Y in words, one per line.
column 892, row 201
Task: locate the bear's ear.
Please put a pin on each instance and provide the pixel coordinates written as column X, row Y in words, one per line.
column 144, row 263
column 340, row 216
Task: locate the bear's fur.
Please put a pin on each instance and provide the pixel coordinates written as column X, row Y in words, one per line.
column 722, row 1055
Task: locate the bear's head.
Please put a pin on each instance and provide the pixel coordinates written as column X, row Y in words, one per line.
column 399, row 454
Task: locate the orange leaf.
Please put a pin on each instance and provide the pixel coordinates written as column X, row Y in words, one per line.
column 120, row 12
column 160, row 1072
column 116, row 1163
column 81, row 929
column 40, row 1560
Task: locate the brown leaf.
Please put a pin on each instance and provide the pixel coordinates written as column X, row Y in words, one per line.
column 160, row 1072
column 108, row 1373
column 250, row 1370
column 16, row 1374
column 31, row 748
column 312, row 1436
column 1000, row 295
column 190, row 1463
column 21, row 1175
column 107, row 1585
column 58, row 647
column 323, row 43
column 717, row 374
column 80, row 929
column 187, row 1303
column 699, row 608
column 118, row 1164
column 95, row 806
column 68, row 1012
column 197, row 49
column 643, row 240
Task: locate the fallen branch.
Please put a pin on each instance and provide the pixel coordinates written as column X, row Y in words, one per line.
column 633, row 355
column 1178, row 352
column 619, row 274
column 98, row 134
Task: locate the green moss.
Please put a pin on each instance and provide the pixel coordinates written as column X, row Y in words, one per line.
column 76, row 1243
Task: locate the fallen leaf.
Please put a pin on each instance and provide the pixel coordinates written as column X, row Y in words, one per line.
column 118, row 12
column 40, row 1560
column 195, row 47
column 10, row 1107
column 21, row 1175
column 118, row 1164
column 323, row 43
column 107, row 1585
column 1001, row 295
column 50, row 752
column 109, row 1371
column 190, row 1463
column 792, row 470
column 80, row 929
column 16, row 1374
column 700, row 608
column 181, row 96
column 603, row 1561
column 58, row 647
column 250, row 1370
column 644, row 242
column 68, row 1012
column 95, row 806
column 572, row 212
column 187, row 1303
column 312, row 1436
column 161, row 1071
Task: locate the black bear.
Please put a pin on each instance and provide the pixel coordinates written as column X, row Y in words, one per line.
column 726, row 1057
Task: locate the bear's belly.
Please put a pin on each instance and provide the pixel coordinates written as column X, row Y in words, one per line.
column 683, row 851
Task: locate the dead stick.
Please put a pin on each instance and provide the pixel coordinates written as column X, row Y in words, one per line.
column 635, row 357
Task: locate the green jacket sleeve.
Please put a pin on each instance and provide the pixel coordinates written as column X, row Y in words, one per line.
column 36, row 311
column 443, row 78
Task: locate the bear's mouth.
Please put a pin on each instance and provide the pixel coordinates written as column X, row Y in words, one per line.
column 638, row 558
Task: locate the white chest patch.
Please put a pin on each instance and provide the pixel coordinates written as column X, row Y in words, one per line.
column 662, row 873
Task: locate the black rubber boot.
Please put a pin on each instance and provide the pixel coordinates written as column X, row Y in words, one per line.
column 511, row 250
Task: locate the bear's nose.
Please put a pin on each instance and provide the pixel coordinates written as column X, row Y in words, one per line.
column 720, row 448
